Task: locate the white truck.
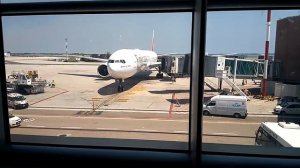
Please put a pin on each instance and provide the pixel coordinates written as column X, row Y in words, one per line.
column 278, row 134
column 25, row 82
column 226, row 105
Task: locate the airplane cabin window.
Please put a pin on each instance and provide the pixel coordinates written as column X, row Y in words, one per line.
column 77, row 98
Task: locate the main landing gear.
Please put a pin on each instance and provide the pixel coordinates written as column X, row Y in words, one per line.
column 159, row 75
column 120, row 86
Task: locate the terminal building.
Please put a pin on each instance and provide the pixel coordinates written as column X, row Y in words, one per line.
column 287, row 49
column 287, row 54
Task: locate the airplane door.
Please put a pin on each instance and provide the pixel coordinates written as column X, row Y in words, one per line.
column 139, row 60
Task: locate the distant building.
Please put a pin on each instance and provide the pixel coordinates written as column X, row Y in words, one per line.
column 7, row 54
column 287, row 49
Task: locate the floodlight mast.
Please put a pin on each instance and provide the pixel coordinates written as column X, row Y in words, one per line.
column 265, row 77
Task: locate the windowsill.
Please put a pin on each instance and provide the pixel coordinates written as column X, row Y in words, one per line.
column 17, row 155
column 100, row 142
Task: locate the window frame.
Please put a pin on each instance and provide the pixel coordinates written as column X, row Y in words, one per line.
column 198, row 155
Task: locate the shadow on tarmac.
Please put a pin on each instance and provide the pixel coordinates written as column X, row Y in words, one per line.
column 179, row 101
column 127, row 84
column 85, row 75
column 289, row 118
column 170, row 91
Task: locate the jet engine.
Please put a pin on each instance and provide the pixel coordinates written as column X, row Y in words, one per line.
column 102, row 70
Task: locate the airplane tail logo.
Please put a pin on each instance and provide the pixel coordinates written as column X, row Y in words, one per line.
column 152, row 43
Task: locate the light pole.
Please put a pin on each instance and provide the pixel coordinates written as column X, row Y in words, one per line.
column 67, row 49
column 264, row 83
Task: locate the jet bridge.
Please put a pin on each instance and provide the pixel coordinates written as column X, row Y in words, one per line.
column 228, row 69
column 176, row 65
column 244, row 68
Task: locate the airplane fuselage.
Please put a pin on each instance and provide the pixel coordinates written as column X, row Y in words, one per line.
column 125, row 63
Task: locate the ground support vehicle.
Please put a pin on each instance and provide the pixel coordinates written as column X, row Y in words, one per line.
column 26, row 82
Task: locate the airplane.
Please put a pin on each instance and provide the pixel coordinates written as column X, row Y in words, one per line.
column 125, row 63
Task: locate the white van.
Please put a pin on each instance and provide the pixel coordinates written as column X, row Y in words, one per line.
column 226, row 105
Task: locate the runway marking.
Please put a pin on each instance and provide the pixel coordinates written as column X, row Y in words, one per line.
column 37, row 126
column 155, row 111
column 224, row 133
column 229, row 122
column 28, row 119
column 64, row 91
column 71, row 127
column 145, row 130
column 105, row 118
column 107, row 129
column 55, row 109
column 185, row 132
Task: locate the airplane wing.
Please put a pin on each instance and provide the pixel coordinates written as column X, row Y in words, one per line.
column 91, row 58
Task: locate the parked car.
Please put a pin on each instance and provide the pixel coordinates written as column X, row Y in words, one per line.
column 287, row 108
column 16, row 100
column 287, row 99
column 14, row 121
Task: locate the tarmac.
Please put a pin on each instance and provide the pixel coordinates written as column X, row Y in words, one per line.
column 78, row 86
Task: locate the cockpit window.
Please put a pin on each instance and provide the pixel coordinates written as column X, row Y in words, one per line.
column 116, row 61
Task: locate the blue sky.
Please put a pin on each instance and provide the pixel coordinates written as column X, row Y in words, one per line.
column 242, row 31
column 227, row 32
column 98, row 33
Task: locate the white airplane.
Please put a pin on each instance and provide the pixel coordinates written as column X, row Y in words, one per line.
column 125, row 63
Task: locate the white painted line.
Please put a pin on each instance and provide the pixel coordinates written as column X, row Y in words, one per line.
column 105, row 118
column 230, row 122
column 107, row 129
column 145, row 130
column 156, row 111
column 185, row 132
column 37, row 126
column 140, row 119
column 55, row 109
column 70, row 127
column 224, row 133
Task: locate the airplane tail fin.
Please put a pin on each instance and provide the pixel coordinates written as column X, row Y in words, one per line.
column 152, row 43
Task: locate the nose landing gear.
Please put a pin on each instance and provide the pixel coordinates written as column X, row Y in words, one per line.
column 120, row 86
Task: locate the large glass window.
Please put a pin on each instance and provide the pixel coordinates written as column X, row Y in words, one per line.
column 246, row 93
column 75, row 97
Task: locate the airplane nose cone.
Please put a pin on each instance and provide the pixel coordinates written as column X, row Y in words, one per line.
column 120, row 71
